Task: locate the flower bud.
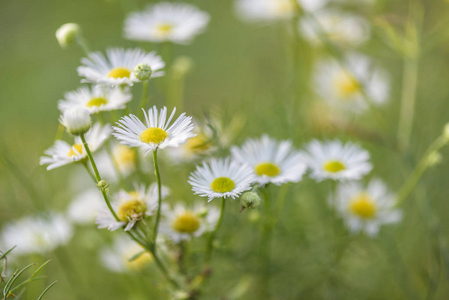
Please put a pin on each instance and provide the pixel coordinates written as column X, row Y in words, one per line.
column 142, row 72
column 250, row 200
column 67, row 34
column 102, row 184
column 76, row 120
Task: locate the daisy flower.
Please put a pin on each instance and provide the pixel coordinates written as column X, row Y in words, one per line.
column 340, row 28
column 96, row 99
column 266, row 10
column 156, row 132
column 62, row 153
column 366, row 208
column 118, row 65
column 221, row 178
column 182, row 223
column 350, row 87
column 36, row 234
column 165, row 21
column 337, row 161
column 84, row 207
column 131, row 207
column 124, row 255
column 271, row 161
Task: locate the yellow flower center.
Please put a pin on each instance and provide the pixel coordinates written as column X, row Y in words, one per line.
column 154, row 135
column 119, row 73
column 285, row 6
column 97, row 102
column 363, row 206
column 164, row 29
column 346, row 85
column 222, row 185
column 124, row 155
column 131, row 209
column 268, row 169
column 197, row 144
column 78, row 148
column 188, row 222
column 334, row 166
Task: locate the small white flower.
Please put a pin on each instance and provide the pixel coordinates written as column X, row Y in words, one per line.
column 36, row 234
column 337, row 161
column 266, row 10
column 271, row 161
column 118, row 65
column 125, row 255
column 221, row 178
column 76, row 120
column 165, row 21
column 96, row 99
column 182, row 223
column 84, row 207
column 156, row 133
column 351, row 86
column 366, row 209
column 67, row 34
column 62, row 153
column 131, row 207
column 340, row 28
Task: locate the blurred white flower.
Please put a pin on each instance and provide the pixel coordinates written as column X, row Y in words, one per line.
column 62, row 153
column 266, row 10
column 67, row 34
column 270, row 160
column 118, row 65
column 165, row 21
column 366, row 209
column 182, row 223
column 76, row 120
column 84, row 207
column 221, row 178
column 349, row 85
column 36, row 234
column 157, row 132
column 341, row 28
column 337, row 161
column 96, row 99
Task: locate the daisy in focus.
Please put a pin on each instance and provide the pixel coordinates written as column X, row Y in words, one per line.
column 221, row 178
column 131, row 207
column 165, row 21
column 366, row 209
column 36, row 234
column 96, row 99
column 156, row 132
column 62, row 153
column 337, row 161
column 352, row 86
column 116, row 68
column 182, row 223
column 271, row 161
column 341, row 28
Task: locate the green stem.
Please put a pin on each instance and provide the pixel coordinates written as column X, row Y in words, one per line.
column 144, row 100
column 159, row 200
column 210, row 242
column 266, row 245
column 82, row 42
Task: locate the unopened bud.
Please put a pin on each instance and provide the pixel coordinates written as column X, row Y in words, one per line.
column 76, row 120
column 67, row 34
column 250, row 200
column 102, row 184
column 142, row 72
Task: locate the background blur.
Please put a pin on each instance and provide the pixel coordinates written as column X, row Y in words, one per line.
column 241, row 70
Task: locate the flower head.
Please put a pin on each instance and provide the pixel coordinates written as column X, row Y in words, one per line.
column 67, row 34
column 76, row 120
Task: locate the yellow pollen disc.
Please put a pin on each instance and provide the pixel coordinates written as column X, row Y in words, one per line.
column 97, row 102
column 119, row 73
column 78, row 148
column 154, row 135
column 334, row 166
column 197, row 144
column 130, row 209
column 346, row 85
column 363, row 206
column 268, row 169
column 165, row 28
column 124, row 155
column 188, row 222
column 222, row 185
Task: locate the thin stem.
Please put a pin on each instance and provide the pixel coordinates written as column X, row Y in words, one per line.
column 144, row 100
column 210, row 242
column 82, row 42
column 159, row 200
column 266, row 245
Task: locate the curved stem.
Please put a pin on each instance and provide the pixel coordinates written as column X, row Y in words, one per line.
column 210, row 242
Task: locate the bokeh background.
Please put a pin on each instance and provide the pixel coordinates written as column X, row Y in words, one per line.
column 243, row 71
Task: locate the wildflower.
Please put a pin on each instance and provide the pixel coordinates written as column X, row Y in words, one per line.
column 142, row 72
column 366, row 209
column 266, row 10
column 67, row 34
column 337, row 161
column 62, row 153
column 118, row 65
column 36, row 234
column 165, row 21
column 156, row 133
column 351, row 86
column 182, row 223
column 271, row 161
column 221, row 178
column 131, row 207
column 250, row 200
column 76, row 120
